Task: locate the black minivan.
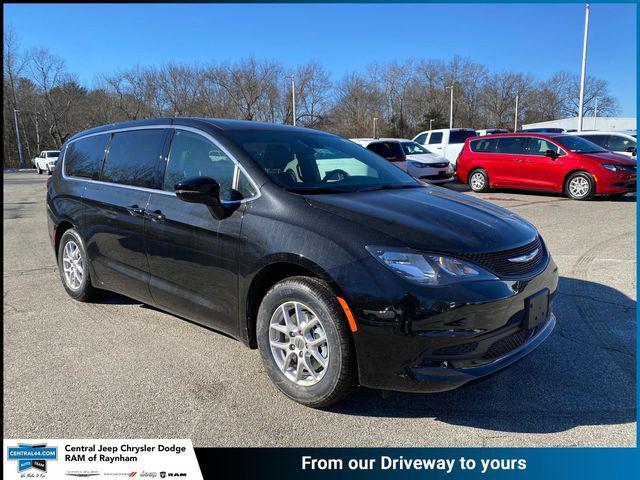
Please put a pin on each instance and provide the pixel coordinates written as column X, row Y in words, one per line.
column 341, row 268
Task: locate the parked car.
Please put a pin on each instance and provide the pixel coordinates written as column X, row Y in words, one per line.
column 541, row 130
column 446, row 142
column 338, row 278
column 554, row 162
column 411, row 157
column 46, row 161
column 491, row 131
column 618, row 142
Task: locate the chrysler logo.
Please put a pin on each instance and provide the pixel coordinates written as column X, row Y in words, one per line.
column 525, row 258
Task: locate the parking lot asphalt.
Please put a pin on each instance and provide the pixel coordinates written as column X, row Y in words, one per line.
column 117, row 368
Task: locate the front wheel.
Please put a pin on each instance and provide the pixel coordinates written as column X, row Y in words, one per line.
column 305, row 343
column 39, row 170
column 479, row 181
column 580, row 186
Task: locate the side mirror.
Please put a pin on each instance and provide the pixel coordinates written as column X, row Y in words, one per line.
column 552, row 154
column 632, row 150
column 204, row 190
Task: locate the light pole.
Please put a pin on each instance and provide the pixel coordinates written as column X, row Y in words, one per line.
column 293, row 98
column 595, row 115
column 584, row 67
column 15, row 119
column 451, row 108
column 515, row 121
column 375, row 124
column 431, row 124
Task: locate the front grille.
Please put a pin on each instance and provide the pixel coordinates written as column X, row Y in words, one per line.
column 502, row 264
column 460, row 349
column 506, row 344
column 438, row 165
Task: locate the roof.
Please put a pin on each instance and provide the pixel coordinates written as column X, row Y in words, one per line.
column 371, row 140
column 219, row 124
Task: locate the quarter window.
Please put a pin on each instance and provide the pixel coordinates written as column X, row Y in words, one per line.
column 485, row 145
column 192, row 155
column 132, row 157
column 83, row 157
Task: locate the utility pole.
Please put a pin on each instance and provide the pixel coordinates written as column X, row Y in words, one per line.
column 515, row 122
column 595, row 115
column 375, row 130
column 451, row 108
column 293, row 98
column 584, row 67
column 35, row 117
column 15, row 119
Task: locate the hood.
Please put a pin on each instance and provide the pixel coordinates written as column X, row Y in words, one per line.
column 431, row 218
column 427, row 158
column 610, row 157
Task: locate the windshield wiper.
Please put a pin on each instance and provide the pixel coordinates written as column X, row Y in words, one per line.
column 313, row 190
column 396, row 186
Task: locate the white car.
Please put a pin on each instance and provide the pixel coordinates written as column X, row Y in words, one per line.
column 617, row 142
column 491, row 131
column 447, row 142
column 46, row 161
column 411, row 157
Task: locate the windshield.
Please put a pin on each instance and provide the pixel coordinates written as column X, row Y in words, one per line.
column 52, row 154
column 413, row 148
column 459, row 136
column 578, row 145
column 309, row 162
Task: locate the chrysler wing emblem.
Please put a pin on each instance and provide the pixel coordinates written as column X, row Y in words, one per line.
column 525, row 258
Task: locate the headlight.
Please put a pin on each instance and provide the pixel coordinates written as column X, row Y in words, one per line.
column 615, row 168
column 418, row 164
column 427, row 268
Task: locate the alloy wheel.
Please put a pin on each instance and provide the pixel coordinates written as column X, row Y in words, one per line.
column 477, row 181
column 72, row 265
column 579, row 187
column 299, row 343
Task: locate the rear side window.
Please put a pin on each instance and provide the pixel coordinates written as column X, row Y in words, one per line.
column 83, row 158
column 484, row 145
column 619, row 144
column 132, row 157
column 513, row 145
column 387, row 149
column 193, row 155
column 459, row 136
column 436, row 137
column 53, row 154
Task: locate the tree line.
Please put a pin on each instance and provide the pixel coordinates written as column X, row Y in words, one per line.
column 404, row 96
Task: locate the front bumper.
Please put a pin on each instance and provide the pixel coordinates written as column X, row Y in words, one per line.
column 615, row 183
column 420, row 339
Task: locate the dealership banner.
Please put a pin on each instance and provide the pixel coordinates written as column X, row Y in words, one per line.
column 95, row 458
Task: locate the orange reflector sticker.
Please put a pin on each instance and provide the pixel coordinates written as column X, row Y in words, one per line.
column 347, row 311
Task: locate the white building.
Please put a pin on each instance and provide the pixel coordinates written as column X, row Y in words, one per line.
column 609, row 124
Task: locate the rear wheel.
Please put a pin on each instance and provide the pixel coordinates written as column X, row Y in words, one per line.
column 580, row 186
column 304, row 342
column 479, row 180
column 73, row 265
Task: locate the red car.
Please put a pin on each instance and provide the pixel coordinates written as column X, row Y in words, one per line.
column 553, row 162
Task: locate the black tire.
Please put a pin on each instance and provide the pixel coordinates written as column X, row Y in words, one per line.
column 49, row 172
column 586, row 179
column 340, row 377
column 39, row 170
column 485, row 184
column 85, row 291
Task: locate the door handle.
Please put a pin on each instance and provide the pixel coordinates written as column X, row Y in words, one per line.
column 135, row 211
column 156, row 216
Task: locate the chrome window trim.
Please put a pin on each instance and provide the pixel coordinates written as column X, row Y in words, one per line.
column 236, row 175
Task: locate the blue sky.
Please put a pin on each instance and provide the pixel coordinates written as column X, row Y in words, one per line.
column 539, row 39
